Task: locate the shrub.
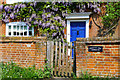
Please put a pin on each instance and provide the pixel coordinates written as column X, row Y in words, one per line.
column 12, row 70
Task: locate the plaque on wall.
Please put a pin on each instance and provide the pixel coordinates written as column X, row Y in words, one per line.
column 95, row 48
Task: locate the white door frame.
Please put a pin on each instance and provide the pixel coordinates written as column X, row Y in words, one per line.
column 86, row 28
column 77, row 17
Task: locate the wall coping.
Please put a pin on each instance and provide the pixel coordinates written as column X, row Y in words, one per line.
column 80, row 40
column 99, row 40
column 22, row 39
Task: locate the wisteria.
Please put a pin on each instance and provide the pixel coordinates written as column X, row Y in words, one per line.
column 39, row 23
column 36, row 22
column 52, row 27
column 1, row 7
column 7, row 8
column 50, row 17
column 16, row 6
column 12, row 16
column 23, row 6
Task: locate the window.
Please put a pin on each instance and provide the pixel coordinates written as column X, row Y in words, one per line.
column 19, row 29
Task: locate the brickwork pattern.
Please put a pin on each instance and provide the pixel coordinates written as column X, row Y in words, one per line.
column 98, row 63
column 25, row 53
column 29, row 51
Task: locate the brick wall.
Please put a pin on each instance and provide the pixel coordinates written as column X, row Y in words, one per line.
column 98, row 63
column 2, row 1
column 23, row 51
column 27, row 51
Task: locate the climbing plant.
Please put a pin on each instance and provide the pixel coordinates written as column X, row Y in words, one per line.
column 48, row 17
column 111, row 17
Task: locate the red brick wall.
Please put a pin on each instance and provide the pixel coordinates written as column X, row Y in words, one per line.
column 98, row 63
column 24, row 52
column 117, row 30
column 3, row 29
column 2, row 1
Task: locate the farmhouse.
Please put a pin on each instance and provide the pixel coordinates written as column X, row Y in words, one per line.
column 95, row 48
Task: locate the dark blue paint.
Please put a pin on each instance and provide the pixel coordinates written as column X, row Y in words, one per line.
column 77, row 30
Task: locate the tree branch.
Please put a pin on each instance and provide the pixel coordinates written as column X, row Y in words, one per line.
column 113, row 25
column 110, row 29
column 95, row 22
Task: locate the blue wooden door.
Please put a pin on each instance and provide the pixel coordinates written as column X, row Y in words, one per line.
column 77, row 30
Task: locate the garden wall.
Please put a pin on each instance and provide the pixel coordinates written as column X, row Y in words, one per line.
column 26, row 51
column 102, row 63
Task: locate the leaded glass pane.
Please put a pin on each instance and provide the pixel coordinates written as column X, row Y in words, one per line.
column 25, row 33
column 21, row 27
column 9, row 27
column 17, row 33
column 30, row 33
column 25, row 27
column 30, row 28
column 21, row 33
column 14, row 27
column 14, row 33
column 17, row 27
column 9, row 33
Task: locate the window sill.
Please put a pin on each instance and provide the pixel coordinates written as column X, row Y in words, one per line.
column 22, row 39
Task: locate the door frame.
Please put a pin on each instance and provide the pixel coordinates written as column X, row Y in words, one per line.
column 86, row 28
column 77, row 17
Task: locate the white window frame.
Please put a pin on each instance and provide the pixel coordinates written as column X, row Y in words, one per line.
column 16, row 1
column 18, row 24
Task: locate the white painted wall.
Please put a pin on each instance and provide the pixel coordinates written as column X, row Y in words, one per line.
column 15, row 1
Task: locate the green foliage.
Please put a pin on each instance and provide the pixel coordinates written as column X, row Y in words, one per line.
column 112, row 15
column 88, row 76
column 0, row 16
column 12, row 70
column 49, row 17
column 0, row 73
column 85, row 75
column 3, row 35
